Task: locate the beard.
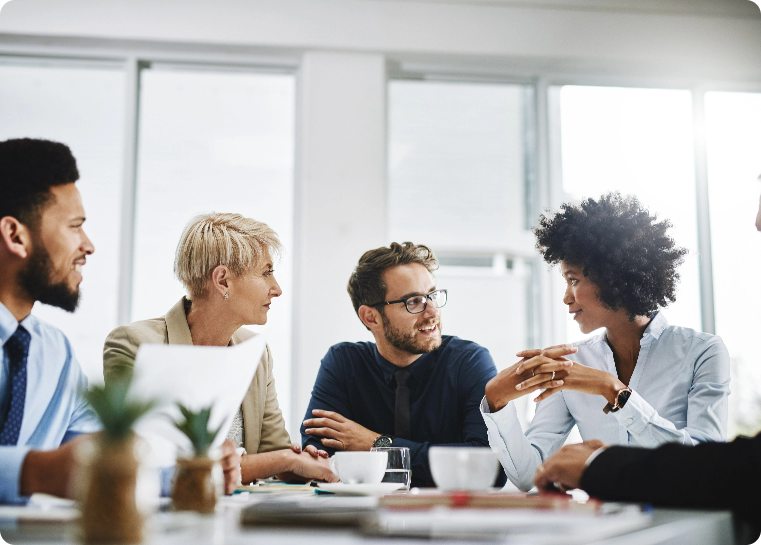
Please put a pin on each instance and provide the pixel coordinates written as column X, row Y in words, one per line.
column 36, row 279
column 408, row 342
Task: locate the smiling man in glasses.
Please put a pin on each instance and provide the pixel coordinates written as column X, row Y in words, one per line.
column 413, row 387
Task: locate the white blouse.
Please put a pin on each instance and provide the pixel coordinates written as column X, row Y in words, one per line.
column 679, row 389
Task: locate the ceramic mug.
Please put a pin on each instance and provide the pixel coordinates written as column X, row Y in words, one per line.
column 463, row 468
column 359, row 467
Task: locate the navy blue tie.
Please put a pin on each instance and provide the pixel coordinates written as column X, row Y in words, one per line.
column 17, row 349
column 402, row 404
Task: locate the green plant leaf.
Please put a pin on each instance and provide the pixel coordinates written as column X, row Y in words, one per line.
column 114, row 409
column 196, row 427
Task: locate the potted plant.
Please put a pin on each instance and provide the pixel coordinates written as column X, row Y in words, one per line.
column 109, row 507
column 195, row 487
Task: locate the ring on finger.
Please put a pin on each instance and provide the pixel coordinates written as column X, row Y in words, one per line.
column 553, row 376
column 533, row 372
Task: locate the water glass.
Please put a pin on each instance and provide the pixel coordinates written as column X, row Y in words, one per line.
column 398, row 468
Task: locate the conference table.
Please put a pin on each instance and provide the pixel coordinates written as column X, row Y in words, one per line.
column 616, row 525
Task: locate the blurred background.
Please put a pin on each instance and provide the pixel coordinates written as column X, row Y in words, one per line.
column 348, row 124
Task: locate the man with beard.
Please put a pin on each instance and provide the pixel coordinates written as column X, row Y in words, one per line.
column 43, row 248
column 413, row 387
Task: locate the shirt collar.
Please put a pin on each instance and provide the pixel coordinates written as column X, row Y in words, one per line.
column 9, row 325
column 417, row 368
column 654, row 329
column 657, row 325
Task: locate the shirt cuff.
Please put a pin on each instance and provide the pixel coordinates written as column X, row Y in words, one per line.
column 11, row 461
column 499, row 415
column 503, row 421
column 500, row 427
column 636, row 415
column 166, row 478
column 594, row 455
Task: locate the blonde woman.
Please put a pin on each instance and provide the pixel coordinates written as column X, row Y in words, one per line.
column 225, row 262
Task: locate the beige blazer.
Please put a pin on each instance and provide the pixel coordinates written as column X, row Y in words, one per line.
column 262, row 420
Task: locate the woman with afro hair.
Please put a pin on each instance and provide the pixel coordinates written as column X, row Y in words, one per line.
column 641, row 382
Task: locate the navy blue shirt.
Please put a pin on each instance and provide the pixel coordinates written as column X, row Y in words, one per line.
column 446, row 388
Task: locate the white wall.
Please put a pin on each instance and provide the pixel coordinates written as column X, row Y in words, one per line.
column 340, row 203
column 579, row 35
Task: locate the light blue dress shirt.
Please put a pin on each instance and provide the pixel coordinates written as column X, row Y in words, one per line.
column 54, row 410
column 679, row 389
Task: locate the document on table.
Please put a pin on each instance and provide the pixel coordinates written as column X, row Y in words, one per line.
column 41, row 508
column 197, row 377
column 524, row 526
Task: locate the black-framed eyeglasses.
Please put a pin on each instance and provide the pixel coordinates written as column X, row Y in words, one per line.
column 418, row 303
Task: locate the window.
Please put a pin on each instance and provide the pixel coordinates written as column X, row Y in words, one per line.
column 457, row 184
column 636, row 141
column 85, row 111
column 208, row 140
column 458, row 171
column 456, row 163
column 461, row 179
column 733, row 130
column 213, row 142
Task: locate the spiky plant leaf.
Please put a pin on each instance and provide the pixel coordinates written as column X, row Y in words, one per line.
column 196, row 427
column 116, row 411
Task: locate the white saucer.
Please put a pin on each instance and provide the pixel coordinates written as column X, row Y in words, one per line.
column 376, row 489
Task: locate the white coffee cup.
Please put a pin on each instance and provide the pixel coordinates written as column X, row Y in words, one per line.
column 359, row 467
column 463, row 468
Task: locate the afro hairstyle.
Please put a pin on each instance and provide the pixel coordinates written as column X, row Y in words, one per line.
column 622, row 248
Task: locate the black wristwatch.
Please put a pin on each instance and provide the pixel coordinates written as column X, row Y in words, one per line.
column 622, row 397
column 383, row 441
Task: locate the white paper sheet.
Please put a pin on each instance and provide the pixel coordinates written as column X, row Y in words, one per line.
column 197, row 377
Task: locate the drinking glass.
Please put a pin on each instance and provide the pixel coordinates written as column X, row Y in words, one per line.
column 398, row 468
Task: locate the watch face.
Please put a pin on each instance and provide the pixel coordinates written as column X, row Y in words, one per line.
column 623, row 397
column 382, row 441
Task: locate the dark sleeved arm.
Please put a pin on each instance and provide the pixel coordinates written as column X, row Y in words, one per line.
column 473, row 376
column 328, row 394
column 709, row 475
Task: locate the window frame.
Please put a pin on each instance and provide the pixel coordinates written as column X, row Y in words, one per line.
column 547, row 321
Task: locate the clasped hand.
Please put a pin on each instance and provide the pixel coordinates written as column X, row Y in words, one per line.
column 311, row 463
column 548, row 369
column 338, row 432
column 538, row 369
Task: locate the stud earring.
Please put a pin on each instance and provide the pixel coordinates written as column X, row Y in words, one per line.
column 226, row 296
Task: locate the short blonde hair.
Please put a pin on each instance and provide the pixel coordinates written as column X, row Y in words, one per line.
column 213, row 239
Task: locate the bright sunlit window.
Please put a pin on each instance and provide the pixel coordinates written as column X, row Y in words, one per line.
column 457, row 184
column 214, row 142
column 636, row 141
column 83, row 108
column 208, row 141
column 733, row 127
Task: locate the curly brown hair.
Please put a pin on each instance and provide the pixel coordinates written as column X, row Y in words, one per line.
column 620, row 247
column 366, row 286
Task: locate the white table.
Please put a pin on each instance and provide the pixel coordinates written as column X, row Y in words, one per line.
column 663, row 527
